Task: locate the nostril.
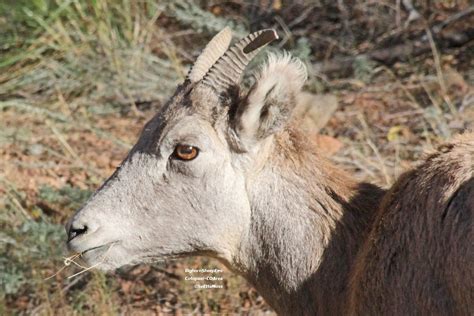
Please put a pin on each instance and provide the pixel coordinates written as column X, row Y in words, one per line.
column 76, row 231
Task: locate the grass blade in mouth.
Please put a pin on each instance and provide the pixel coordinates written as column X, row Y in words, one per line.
column 72, row 259
column 67, row 262
column 102, row 260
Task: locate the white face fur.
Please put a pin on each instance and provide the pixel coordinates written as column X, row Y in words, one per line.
column 156, row 206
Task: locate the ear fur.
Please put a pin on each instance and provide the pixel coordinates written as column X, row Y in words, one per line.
column 271, row 100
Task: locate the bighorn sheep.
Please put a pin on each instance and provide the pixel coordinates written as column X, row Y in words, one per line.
column 225, row 174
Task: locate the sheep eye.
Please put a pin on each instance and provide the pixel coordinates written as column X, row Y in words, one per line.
column 185, row 152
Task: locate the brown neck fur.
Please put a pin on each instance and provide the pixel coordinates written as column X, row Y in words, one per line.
column 309, row 220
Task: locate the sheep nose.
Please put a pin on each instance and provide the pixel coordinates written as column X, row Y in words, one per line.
column 75, row 230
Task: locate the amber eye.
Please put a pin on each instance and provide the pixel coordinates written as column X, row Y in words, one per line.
column 185, row 152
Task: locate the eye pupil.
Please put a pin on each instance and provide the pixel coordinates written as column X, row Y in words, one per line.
column 185, row 152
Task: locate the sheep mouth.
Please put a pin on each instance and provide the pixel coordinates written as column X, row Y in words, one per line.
column 105, row 247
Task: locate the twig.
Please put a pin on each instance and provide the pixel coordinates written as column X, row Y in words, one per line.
column 453, row 18
column 397, row 14
column 302, row 16
column 439, row 72
column 413, row 14
column 388, row 179
column 285, row 29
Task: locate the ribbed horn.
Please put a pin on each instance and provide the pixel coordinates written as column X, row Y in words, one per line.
column 211, row 53
column 229, row 68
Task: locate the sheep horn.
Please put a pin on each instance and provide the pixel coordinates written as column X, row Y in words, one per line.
column 211, row 53
column 228, row 69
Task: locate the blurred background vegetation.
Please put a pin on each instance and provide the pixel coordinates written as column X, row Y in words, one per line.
column 389, row 80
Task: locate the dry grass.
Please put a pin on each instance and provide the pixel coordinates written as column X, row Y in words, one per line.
column 79, row 78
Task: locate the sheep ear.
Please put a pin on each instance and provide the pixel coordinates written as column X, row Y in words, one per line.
column 271, row 100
